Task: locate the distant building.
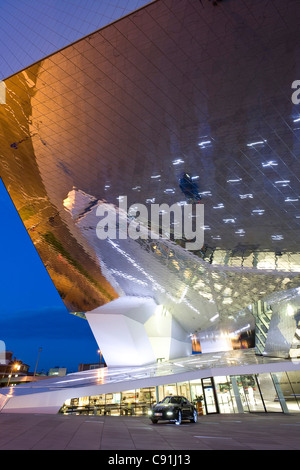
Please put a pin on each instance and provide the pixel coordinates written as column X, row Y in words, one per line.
column 57, row 371
column 12, row 371
column 93, row 366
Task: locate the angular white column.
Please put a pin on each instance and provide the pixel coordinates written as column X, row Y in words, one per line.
column 134, row 331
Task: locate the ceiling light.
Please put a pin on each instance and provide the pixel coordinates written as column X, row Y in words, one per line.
column 270, row 163
column 258, row 211
column 236, row 180
column 229, row 221
column 277, row 237
column 204, row 143
column 289, row 199
column 169, row 191
column 240, row 231
column 259, row 142
column 214, row 318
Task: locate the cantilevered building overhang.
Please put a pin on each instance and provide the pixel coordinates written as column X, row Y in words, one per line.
column 174, row 87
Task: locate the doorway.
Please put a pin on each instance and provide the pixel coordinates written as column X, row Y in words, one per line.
column 210, row 396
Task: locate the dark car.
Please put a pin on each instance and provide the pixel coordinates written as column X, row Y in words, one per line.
column 173, row 408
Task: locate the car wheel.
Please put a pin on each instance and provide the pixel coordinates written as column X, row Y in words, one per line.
column 195, row 417
column 154, row 421
column 178, row 421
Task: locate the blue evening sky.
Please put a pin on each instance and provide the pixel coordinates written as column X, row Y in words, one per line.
column 32, row 315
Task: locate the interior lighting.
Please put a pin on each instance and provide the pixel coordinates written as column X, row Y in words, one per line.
column 204, row 143
column 259, row 142
column 240, row 232
column 169, row 191
column 277, row 237
column 212, row 319
column 229, row 221
column 289, row 311
column 289, row 199
column 235, row 180
column 270, row 163
column 258, row 211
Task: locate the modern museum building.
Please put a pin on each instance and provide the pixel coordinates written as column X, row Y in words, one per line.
column 155, row 164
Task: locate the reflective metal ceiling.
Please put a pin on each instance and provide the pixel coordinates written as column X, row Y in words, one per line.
column 174, row 87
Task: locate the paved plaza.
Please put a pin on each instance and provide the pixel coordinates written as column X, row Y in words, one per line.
column 267, row 431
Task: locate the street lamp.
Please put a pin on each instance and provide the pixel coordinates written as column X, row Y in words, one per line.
column 40, row 349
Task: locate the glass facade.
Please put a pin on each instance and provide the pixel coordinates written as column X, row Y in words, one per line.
column 224, row 394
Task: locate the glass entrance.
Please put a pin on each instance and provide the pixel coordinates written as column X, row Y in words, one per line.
column 226, row 398
column 210, row 398
column 250, row 393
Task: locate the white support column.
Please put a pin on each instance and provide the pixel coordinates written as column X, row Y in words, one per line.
column 134, row 331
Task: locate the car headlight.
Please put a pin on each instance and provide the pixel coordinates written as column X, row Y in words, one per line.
column 150, row 412
column 169, row 413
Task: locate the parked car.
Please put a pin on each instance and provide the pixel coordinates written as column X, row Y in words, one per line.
column 173, row 408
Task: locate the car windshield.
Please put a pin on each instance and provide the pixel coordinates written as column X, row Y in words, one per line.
column 176, row 400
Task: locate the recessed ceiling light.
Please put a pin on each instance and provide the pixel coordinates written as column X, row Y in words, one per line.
column 235, row 180
column 277, row 237
column 270, row 163
column 229, row 221
column 204, row 143
column 259, row 142
column 290, row 199
column 258, row 211
column 169, row 191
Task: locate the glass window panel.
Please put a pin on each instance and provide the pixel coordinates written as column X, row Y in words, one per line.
column 225, row 395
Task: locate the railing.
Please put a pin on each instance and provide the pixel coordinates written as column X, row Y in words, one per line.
column 134, row 409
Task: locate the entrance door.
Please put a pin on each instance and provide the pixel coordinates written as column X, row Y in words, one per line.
column 210, row 397
column 251, row 394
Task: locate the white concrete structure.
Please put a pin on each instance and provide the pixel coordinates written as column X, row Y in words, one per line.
column 133, row 331
column 48, row 396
